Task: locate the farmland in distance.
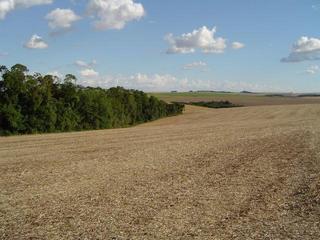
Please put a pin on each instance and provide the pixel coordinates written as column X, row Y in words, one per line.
column 245, row 99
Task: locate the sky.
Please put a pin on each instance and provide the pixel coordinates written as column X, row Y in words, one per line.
column 165, row 45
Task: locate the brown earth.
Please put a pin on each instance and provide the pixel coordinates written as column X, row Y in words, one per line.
column 241, row 173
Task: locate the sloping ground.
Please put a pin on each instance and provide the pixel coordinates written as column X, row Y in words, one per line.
column 241, row 173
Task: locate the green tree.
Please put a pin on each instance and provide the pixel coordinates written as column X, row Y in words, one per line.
column 37, row 104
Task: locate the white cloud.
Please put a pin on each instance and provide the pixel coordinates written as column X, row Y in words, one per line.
column 7, row 6
column 61, row 19
column 155, row 82
column 55, row 73
column 303, row 50
column 314, row 69
column 89, row 73
column 36, row 42
column 203, row 39
column 167, row 82
column 195, row 65
column 237, row 45
column 114, row 14
column 152, row 81
column 83, row 64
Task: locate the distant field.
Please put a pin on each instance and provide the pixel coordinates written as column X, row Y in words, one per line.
column 236, row 98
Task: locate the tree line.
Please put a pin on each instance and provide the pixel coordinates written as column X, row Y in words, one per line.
column 214, row 104
column 32, row 103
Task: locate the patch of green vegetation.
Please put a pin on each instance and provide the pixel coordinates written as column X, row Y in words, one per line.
column 214, row 104
column 309, row 95
column 275, row 95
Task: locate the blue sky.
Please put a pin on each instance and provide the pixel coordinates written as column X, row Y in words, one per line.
column 169, row 44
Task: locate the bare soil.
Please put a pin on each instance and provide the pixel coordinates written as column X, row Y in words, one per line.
column 241, row 173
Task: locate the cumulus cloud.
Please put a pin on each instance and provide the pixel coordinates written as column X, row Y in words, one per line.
column 89, row 73
column 114, row 14
column 237, row 45
column 303, row 50
column 55, row 73
column 7, row 6
column 61, row 19
column 202, row 39
column 36, row 42
column 313, row 70
column 168, row 82
column 153, row 82
column 87, row 69
column 83, row 64
column 195, row 65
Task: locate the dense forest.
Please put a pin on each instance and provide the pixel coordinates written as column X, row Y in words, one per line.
column 32, row 103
